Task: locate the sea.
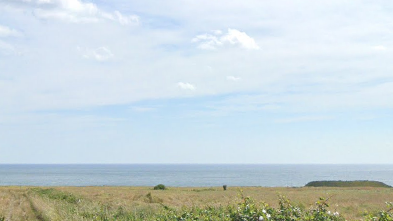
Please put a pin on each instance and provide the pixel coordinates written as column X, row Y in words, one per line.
column 188, row 175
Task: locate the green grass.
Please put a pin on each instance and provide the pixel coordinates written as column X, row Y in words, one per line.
column 339, row 183
column 57, row 195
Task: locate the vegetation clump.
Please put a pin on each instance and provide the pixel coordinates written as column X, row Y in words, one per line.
column 57, row 195
column 152, row 199
column 339, row 183
column 160, row 187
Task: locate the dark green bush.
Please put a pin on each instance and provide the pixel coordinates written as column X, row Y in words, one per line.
column 160, row 187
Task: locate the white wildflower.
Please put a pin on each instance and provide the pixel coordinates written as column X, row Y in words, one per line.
column 260, row 218
column 268, row 215
column 264, row 211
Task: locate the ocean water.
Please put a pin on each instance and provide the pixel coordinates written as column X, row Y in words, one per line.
column 188, row 175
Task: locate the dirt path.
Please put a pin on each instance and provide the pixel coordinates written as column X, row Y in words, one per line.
column 15, row 205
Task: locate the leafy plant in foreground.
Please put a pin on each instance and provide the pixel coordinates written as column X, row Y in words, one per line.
column 382, row 215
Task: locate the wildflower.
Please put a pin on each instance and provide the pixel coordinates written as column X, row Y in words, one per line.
column 336, row 214
column 260, row 218
column 268, row 215
column 328, row 212
column 264, row 211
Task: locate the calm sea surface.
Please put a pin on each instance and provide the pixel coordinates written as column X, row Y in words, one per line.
column 188, row 175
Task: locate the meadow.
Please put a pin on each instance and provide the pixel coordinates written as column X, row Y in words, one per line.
column 144, row 203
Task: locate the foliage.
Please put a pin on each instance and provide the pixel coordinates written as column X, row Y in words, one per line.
column 248, row 210
column 160, row 187
column 339, row 183
column 2, row 218
column 57, row 195
column 382, row 215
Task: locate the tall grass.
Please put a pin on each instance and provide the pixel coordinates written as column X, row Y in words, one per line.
column 71, row 207
column 132, row 204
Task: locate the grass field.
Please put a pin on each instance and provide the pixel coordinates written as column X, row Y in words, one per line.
column 141, row 203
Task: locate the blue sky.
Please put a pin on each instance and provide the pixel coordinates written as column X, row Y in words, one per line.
column 196, row 81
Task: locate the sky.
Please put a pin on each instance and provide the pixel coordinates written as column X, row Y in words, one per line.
column 183, row 81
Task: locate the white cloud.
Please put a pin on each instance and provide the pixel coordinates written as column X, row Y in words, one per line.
column 43, row 1
column 207, row 41
column 76, row 5
column 99, row 54
column 8, row 32
column 74, row 11
column 236, row 37
column 125, row 20
column 186, row 86
column 233, row 78
column 379, row 48
column 218, row 39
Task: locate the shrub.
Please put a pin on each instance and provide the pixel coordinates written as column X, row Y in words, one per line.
column 160, row 187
